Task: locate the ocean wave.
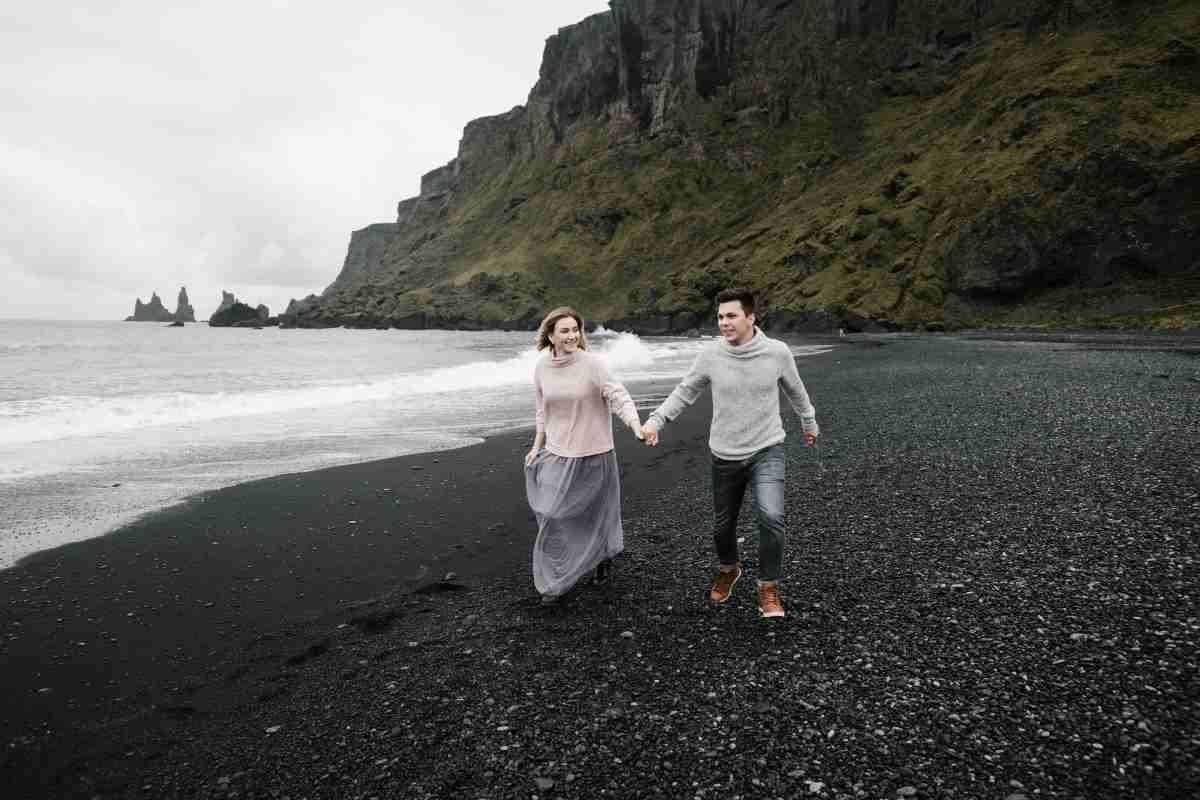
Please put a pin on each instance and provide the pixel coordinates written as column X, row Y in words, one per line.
column 18, row 348
column 61, row 417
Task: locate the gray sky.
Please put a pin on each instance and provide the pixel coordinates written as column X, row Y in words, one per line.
column 151, row 144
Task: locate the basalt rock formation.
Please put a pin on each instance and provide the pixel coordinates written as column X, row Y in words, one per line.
column 227, row 301
column 183, row 309
column 154, row 311
column 866, row 164
column 234, row 314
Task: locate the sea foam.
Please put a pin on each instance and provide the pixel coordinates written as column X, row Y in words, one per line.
column 61, row 417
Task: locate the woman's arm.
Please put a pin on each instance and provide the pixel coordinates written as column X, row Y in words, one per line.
column 539, row 441
column 621, row 404
column 619, row 401
column 539, row 418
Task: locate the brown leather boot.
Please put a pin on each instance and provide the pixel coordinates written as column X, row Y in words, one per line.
column 722, row 587
column 769, row 604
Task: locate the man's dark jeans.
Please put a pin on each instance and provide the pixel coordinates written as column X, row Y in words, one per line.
column 764, row 471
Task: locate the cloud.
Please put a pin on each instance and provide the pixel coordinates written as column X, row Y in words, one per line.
column 227, row 145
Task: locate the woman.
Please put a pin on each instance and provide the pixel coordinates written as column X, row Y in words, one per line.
column 572, row 484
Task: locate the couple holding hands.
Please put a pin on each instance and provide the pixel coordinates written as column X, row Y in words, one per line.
column 571, row 477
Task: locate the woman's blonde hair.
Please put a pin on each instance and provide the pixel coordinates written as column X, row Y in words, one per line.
column 551, row 320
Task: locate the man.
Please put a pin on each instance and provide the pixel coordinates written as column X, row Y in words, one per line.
column 744, row 370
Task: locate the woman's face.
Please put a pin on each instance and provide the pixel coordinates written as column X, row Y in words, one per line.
column 565, row 337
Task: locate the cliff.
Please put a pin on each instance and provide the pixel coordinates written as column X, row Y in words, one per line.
column 867, row 163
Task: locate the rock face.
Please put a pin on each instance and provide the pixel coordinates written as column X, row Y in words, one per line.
column 863, row 163
column 183, row 309
column 235, row 313
column 150, row 312
column 227, row 301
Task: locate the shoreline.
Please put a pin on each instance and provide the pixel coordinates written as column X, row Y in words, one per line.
column 182, row 592
column 959, row 526
column 102, row 508
column 127, row 455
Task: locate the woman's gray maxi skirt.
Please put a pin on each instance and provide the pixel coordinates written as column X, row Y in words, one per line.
column 577, row 502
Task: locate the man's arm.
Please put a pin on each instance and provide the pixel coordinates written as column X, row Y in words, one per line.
column 797, row 395
column 684, row 395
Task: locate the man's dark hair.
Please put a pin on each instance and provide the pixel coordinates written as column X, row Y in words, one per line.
column 739, row 293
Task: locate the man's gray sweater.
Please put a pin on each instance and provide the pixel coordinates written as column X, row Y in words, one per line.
column 745, row 383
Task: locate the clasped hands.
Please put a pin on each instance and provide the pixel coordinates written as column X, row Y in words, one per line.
column 649, row 435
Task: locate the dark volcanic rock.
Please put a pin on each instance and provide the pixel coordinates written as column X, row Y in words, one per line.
column 365, row 253
column 297, row 307
column 235, row 314
column 297, row 310
column 154, row 311
column 227, row 301
column 183, row 309
column 995, row 254
column 643, row 326
column 783, row 321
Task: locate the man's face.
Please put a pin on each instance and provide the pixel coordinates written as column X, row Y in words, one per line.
column 735, row 324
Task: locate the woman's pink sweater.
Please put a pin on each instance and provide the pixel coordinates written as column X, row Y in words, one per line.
column 575, row 396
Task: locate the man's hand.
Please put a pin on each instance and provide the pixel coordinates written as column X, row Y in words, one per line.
column 810, row 439
column 650, row 434
column 530, row 456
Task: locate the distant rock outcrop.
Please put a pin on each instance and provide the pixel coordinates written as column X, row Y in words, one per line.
column 228, row 316
column 234, row 314
column 150, row 312
column 155, row 311
column 183, row 309
column 227, row 301
column 295, row 307
column 294, row 315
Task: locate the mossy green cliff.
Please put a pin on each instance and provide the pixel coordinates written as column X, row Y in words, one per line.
column 891, row 163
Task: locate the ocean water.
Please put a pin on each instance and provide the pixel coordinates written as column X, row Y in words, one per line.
column 101, row 422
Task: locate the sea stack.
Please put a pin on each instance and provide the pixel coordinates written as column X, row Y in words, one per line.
column 154, row 311
column 228, row 299
column 235, row 314
column 183, row 309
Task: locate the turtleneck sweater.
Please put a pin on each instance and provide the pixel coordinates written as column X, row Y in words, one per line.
column 745, row 381
column 575, row 396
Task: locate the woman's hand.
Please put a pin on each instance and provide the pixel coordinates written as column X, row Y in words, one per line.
column 530, row 456
column 649, row 434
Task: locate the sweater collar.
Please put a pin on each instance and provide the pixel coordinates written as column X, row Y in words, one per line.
column 563, row 361
column 756, row 346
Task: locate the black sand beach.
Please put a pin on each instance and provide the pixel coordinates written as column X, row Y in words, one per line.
column 991, row 583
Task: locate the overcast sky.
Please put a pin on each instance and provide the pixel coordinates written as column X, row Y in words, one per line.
column 146, row 145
